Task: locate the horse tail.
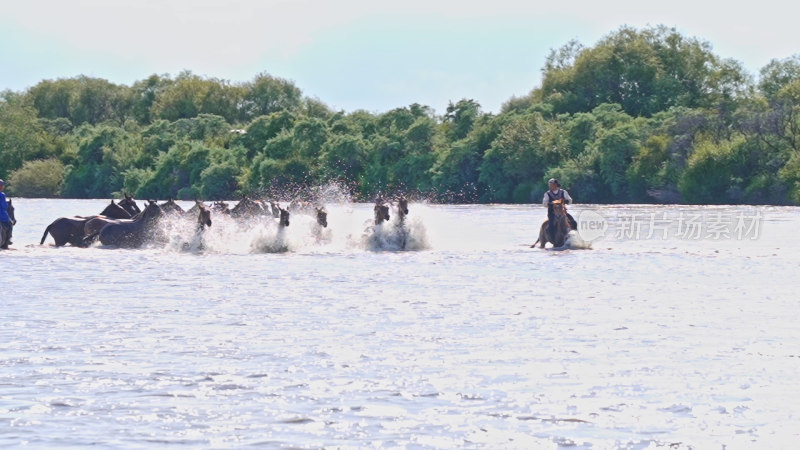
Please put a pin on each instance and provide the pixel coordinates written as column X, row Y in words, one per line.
column 44, row 236
column 89, row 240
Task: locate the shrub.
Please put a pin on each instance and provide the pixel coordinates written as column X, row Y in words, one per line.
column 38, row 178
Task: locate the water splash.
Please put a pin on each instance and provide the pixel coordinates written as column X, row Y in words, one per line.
column 395, row 235
column 575, row 242
column 348, row 229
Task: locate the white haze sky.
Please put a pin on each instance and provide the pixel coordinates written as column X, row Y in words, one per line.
column 360, row 54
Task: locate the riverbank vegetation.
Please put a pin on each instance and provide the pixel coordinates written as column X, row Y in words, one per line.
column 644, row 115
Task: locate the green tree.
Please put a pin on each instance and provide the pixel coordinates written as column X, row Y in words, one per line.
column 103, row 154
column 460, row 118
column 22, row 136
column 264, row 128
column 267, row 95
column 617, row 147
column 308, row 136
column 37, row 179
column 190, row 95
column 714, row 172
column 644, row 71
column 343, row 158
column 519, row 157
column 144, row 94
column 219, row 181
column 456, row 170
column 82, row 100
column 778, row 74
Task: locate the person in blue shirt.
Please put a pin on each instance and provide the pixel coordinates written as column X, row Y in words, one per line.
column 5, row 220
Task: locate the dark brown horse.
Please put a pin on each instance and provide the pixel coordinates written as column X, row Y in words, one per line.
column 562, row 227
column 203, row 216
column 170, row 207
column 247, row 208
column 5, row 238
column 72, row 230
column 400, row 226
column 129, row 205
column 135, row 233
column 322, row 216
column 93, row 226
column 284, row 218
column 381, row 212
column 67, row 230
column 116, row 211
column 203, row 221
column 402, row 209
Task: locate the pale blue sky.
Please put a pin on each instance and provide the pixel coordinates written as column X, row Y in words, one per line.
column 359, row 54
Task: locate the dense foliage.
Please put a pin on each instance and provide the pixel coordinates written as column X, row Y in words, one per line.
column 644, row 115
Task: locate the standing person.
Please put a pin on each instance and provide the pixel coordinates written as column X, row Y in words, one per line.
column 556, row 193
column 5, row 220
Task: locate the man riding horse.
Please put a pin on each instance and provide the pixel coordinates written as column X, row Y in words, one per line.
column 553, row 194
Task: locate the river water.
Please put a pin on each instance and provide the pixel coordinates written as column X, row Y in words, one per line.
column 677, row 329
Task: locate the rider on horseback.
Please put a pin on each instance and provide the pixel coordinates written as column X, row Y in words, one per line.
column 556, row 193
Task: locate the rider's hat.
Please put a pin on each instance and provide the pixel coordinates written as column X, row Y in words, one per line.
column 554, row 181
column 2, row 183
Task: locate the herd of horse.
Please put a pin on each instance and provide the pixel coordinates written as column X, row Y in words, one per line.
column 124, row 224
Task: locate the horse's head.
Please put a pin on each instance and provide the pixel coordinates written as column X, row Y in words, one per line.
column 129, row 205
column 322, row 216
column 284, row 222
column 151, row 211
column 11, row 213
column 381, row 211
column 559, row 209
column 402, row 206
column 203, row 216
column 115, row 211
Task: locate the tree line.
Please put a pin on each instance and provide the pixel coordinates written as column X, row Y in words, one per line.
column 645, row 115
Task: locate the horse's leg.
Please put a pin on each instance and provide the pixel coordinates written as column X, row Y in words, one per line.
column 538, row 239
column 89, row 240
column 573, row 224
column 543, row 238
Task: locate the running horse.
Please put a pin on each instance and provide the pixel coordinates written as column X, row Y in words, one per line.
column 562, row 227
column 203, row 222
column 72, row 230
column 283, row 220
column 381, row 211
column 203, row 216
column 402, row 209
column 129, row 205
column 247, row 208
column 132, row 234
column 170, row 207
